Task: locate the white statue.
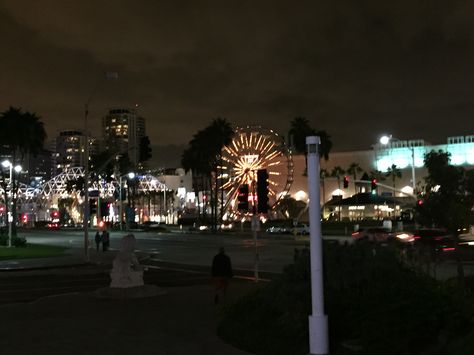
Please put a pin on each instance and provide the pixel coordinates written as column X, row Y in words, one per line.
column 126, row 270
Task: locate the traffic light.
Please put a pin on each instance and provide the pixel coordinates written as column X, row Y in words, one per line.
column 92, row 206
column 420, row 202
column 54, row 215
column 144, row 149
column 346, row 182
column 104, row 209
column 243, row 198
column 262, row 191
column 374, row 184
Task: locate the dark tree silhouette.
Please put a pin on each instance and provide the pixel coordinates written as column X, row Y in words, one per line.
column 21, row 133
column 204, row 155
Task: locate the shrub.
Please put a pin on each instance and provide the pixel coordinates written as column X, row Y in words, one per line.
column 16, row 241
column 19, row 242
column 372, row 301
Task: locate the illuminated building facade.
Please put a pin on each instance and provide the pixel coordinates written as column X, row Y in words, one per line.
column 381, row 157
column 122, row 130
column 67, row 150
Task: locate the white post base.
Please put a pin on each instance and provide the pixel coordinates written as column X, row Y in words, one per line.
column 318, row 335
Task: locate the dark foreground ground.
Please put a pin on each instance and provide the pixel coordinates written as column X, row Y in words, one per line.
column 182, row 321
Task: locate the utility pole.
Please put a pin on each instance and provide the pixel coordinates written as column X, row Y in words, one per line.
column 86, row 184
column 86, row 212
column 255, row 227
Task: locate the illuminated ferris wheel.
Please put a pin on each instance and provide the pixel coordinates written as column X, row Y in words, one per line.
column 254, row 148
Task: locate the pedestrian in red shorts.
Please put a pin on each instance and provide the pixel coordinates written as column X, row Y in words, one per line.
column 221, row 272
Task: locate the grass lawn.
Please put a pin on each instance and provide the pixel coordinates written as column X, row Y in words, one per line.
column 31, row 251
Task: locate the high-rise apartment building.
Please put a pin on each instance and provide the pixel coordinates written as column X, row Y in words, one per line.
column 122, row 130
column 38, row 167
column 68, row 150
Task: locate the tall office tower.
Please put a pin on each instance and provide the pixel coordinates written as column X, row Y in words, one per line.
column 122, row 130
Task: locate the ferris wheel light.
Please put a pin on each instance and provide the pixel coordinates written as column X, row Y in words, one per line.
column 253, row 149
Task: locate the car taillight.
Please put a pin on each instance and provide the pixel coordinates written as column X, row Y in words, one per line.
column 449, row 249
column 355, row 234
column 416, row 237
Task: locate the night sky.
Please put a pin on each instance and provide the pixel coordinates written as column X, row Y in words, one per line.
column 356, row 69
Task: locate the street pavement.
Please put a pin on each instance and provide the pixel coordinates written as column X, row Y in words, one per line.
column 183, row 320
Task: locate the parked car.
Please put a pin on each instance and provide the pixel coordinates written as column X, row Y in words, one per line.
column 150, row 225
column 54, row 225
column 277, row 230
column 301, row 229
column 373, row 234
column 404, row 237
column 438, row 239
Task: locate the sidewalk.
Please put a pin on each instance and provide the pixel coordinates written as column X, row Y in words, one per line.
column 183, row 321
column 72, row 257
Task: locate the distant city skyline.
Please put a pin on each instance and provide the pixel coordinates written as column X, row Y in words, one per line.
column 355, row 69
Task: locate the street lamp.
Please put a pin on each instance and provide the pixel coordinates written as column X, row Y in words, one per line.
column 130, row 176
column 384, row 140
column 108, row 76
column 318, row 320
column 17, row 168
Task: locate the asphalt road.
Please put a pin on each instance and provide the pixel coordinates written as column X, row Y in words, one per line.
column 274, row 252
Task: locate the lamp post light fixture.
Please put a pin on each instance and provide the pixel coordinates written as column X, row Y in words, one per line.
column 17, row 168
column 130, row 176
column 385, row 140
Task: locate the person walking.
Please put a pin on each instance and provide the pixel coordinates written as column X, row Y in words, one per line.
column 98, row 239
column 105, row 240
column 221, row 273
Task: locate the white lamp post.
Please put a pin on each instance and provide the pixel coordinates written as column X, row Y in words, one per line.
column 384, row 140
column 318, row 321
column 130, row 176
column 17, row 168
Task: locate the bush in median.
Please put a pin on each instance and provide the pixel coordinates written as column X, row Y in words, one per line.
column 16, row 241
column 375, row 305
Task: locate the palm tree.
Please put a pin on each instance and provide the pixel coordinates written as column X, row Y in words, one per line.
column 354, row 169
column 337, row 172
column 322, row 176
column 300, row 129
column 323, row 173
column 204, row 156
column 326, row 144
column 21, row 133
column 394, row 173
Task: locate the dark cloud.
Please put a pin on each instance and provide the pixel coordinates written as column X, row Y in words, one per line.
column 354, row 68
